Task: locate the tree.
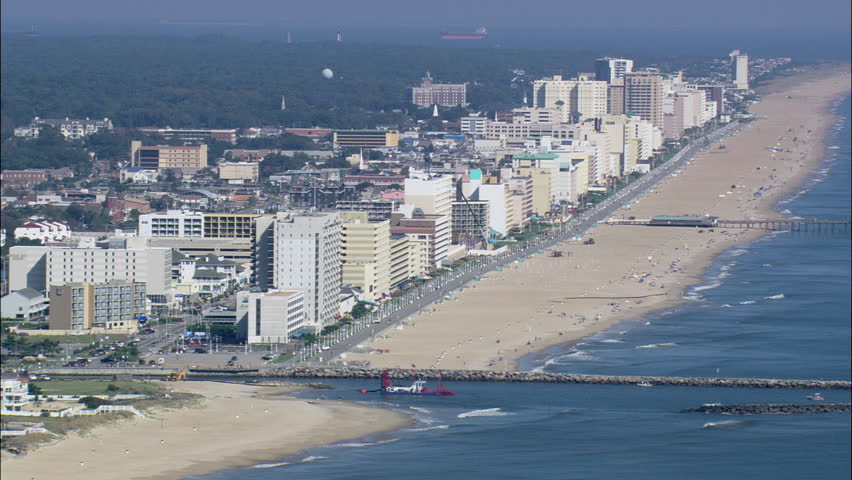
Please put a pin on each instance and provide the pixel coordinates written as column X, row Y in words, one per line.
column 359, row 310
column 93, row 402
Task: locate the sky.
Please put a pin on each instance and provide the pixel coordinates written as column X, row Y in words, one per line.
column 810, row 14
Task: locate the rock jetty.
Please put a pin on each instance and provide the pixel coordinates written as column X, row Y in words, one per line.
column 771, row 409
column 544, row 377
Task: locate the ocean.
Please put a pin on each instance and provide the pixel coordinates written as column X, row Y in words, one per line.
column 778, row 307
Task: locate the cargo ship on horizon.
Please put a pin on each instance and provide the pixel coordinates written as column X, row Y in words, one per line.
column 480, row 33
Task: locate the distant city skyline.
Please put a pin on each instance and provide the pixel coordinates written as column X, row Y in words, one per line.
column 491, row 13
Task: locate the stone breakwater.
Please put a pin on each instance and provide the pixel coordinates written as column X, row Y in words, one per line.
column 543, row 377
column 771, row 409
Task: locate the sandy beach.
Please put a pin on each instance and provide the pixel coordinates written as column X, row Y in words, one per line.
column 630, row 271
column 234, row 426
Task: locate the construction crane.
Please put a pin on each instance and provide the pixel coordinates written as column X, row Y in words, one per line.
column 489, row 240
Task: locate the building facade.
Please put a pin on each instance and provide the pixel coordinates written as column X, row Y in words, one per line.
column 273, row 316
column 81, row 306
column 444, row 94
column 365, row 252
column 186, row 158
column 307, row 258
column 643, row 97
column 608, row 69
column 366, row 138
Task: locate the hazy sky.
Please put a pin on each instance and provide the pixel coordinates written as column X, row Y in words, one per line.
column 429, row 13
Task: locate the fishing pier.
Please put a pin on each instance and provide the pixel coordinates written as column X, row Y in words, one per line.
column 784, row 224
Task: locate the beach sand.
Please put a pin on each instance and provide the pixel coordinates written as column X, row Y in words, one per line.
column 236, row 426
column 545, row 301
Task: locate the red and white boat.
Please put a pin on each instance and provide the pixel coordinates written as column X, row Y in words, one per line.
column 416, row 388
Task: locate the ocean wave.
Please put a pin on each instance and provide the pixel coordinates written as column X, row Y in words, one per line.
column 738, row 252
column 421, row 409
column 726, row 424
column 270, row 465
column 775, row 297
column 727, row 305
column 612, row 340
column 581, row 355
column 834, row 147
column 657, row 345
column 311, row 459
column 281, row 464
column 706, row 287
column 426, row 429
column 693, row 298
column 486, row 412
column 365, row 444
column 767, row 265
column 748, row 302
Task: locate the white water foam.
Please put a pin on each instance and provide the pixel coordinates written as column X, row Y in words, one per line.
column 270, row 465
column 775, row 297
column 748, row 302
column 365, row 444
column 487, row 412
column 311, row 459
column 725, row 424
column 421, row 409
column 426, row 429
column 612, row 340
column 658, row 345
column 707, row 287
column 727, row 305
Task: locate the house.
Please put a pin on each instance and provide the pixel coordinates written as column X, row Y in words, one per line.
column 15, row 395
column 43, row 231
column 24, row 304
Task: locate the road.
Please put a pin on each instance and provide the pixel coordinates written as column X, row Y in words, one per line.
column 393, row 313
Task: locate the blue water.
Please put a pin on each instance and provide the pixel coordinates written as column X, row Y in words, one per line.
column 512, row 431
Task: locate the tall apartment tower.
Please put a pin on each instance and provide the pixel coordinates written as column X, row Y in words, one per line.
column 576, row 99
column 643, row 97
column 608, row 69
column 307, row 258
column 365, row 252
column 434, row 196
column 739, row 69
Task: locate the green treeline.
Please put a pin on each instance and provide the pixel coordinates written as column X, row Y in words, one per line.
column 224, row 82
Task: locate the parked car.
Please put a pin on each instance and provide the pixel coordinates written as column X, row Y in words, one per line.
column 200, row 350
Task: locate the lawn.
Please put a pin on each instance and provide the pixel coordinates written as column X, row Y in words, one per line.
column 94, row 387
column 80, row 339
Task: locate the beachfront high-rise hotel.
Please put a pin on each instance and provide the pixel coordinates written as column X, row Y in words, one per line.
column 643, row 97
column 739, row 70
column 307, row 258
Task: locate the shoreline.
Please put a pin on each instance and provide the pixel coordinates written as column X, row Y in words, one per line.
column 238, row 426
column 480, row 308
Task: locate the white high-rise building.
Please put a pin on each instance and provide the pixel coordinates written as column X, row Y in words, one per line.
column 577, row 99
column 40, row 268
column 739, row 69
column 273, row 316
column 307, row 258
column 172, row 223
column 608, row 69
column 434, row 196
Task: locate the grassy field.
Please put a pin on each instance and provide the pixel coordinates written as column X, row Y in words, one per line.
column 95, row 387
column 80, row 339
